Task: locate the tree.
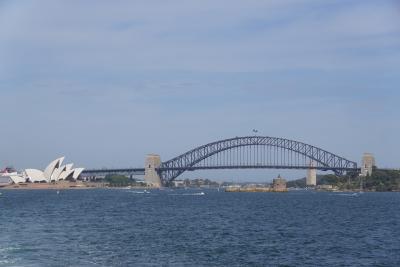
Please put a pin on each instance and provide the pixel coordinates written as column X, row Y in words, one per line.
column 117, row 180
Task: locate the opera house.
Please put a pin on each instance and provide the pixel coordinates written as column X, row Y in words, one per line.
column 54, row 172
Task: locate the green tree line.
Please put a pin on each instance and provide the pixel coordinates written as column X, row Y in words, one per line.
column 380, row 180
column 117, row 180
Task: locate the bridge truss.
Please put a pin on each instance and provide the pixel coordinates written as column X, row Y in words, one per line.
column 254, row 152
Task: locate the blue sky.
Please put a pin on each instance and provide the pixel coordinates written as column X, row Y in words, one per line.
column 105, row 83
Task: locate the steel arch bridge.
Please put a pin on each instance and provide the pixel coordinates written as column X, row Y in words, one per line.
column 254, row 152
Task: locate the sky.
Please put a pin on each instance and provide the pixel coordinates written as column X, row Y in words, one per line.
column 107, row 82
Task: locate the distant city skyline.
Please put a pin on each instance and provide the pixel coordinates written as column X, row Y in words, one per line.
column 105, row 83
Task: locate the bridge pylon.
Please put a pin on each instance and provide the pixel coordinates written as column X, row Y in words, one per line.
column 152, row 162
column 367, row 164
column 311, row 179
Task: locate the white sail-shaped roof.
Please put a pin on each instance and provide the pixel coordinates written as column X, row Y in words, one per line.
column 35, row 175
column 17, row 179
column 57, row 172
column 51, row 167
column 69, row 166
column 77, row 172
column 65, row 174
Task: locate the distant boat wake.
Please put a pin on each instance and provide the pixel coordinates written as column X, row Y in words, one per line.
column 349, row 195
column 188, row 194
column 140, row 192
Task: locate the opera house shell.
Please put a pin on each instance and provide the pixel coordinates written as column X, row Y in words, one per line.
column 11, row 176
column 54, row 172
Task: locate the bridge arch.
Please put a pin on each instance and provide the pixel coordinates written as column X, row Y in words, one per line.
column 191, row 160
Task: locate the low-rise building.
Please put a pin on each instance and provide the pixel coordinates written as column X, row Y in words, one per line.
column 279, row 184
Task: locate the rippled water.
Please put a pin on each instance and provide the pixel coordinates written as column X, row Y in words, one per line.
column 184, row 228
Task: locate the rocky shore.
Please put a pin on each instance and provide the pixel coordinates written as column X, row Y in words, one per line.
column 254, row 189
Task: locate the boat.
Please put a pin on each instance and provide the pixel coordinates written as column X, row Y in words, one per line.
column 141, row 192
column 127, row 187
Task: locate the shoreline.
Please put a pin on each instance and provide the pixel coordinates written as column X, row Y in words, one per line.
column 65, row 186
column 49, row 186
column 91, row 185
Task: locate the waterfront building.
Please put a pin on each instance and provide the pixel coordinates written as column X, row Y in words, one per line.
column 54, row 172
column 279, row 184
column 178, row 183
column 10, row 175
column 11, row 179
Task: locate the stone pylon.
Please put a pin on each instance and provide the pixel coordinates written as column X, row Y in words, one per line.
column 151, row 175
column 367, row 164
column 311, row 179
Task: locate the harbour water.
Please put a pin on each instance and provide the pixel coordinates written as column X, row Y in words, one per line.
column 114, row 227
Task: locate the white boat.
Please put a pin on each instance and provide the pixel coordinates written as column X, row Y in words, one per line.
column 141, row 192
column 127, row 187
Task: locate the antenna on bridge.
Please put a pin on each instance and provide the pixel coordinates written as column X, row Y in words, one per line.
column 255, row 131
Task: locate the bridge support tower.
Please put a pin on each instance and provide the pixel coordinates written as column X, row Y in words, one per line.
column 152, row 162
column 311, row 179
column 367, row 164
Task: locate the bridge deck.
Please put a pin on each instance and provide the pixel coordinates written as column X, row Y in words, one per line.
column 255, row 167
column 140, row 171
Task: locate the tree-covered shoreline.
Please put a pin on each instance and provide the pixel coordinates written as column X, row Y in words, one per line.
column 116, row 180
column 381, row 180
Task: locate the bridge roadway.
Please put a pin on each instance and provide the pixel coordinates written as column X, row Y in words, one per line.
column 95, row 172
column 141, row 171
